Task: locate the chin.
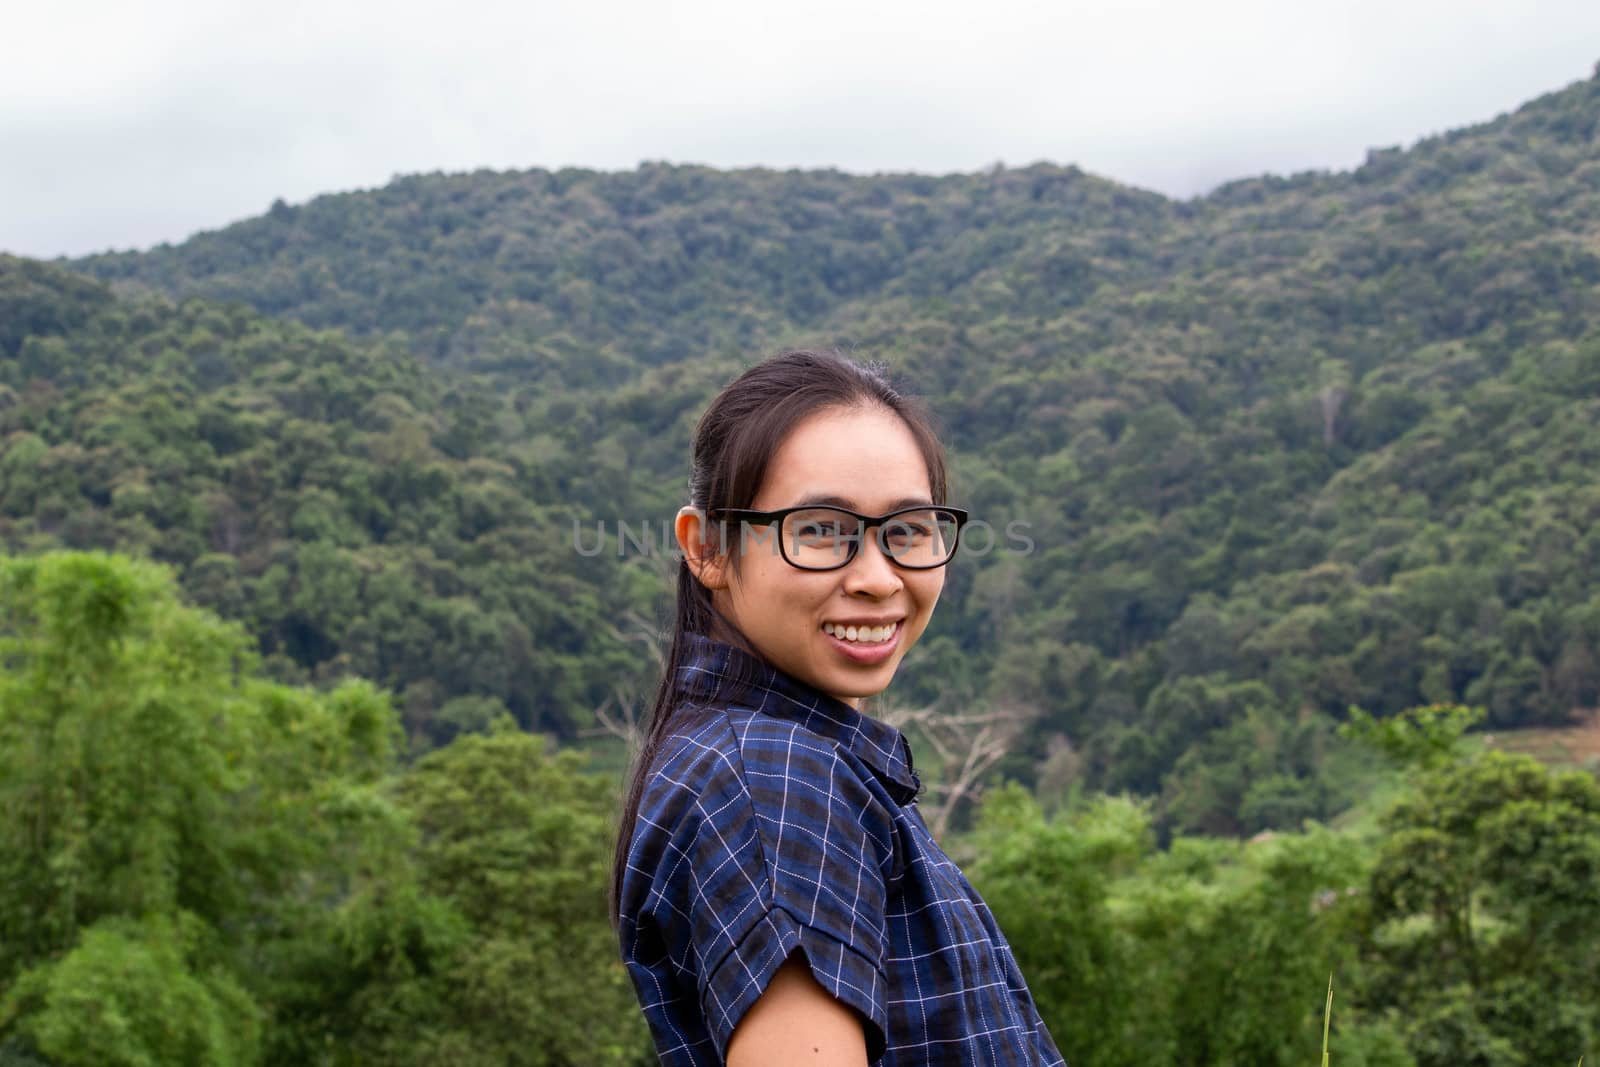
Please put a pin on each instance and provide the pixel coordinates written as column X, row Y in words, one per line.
column 860, row 691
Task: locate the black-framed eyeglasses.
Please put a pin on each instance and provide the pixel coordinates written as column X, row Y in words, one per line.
column 818, row 538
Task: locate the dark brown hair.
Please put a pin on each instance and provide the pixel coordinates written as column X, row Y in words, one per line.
column 734, row 442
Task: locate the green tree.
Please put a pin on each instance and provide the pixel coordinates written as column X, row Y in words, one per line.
column 132, row 993
column 1210, row 952
column 521, row 966
column 170, row 822
column 1049, row 883
column 1485, row 907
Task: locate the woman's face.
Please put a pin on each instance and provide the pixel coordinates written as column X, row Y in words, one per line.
column 864, row 459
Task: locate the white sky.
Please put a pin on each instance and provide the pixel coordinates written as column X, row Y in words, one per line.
column 124, row 124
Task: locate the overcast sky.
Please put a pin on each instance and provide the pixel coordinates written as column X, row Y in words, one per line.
column 123, row 125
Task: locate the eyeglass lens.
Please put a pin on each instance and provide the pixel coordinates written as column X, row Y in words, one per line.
column 824, row 538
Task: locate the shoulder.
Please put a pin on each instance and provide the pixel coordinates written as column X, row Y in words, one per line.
column 725, row 751
column 744, row 775
column 757, row 837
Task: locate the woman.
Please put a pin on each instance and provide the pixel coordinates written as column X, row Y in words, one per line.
column 778, row 896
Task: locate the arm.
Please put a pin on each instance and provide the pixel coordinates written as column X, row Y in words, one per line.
column 796, row 1022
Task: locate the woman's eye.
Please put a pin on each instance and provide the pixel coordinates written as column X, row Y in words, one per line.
column 906, row 531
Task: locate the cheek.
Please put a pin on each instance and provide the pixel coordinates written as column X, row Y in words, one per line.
column 925, row 589
column 769, row 590
column 928, row 587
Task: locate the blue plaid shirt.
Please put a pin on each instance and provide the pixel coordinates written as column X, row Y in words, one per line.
column 778, row 818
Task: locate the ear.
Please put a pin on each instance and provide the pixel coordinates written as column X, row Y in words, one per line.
column 704, row 562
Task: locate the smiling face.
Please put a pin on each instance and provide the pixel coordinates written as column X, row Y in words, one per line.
column 867, row 460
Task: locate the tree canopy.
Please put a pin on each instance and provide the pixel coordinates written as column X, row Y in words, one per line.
column 201, row 866
column 1252, row 459
column 324, row 536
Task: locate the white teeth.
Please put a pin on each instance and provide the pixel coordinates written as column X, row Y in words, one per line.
column 874, row 635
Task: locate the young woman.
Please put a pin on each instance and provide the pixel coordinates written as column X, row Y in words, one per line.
column 778, row 896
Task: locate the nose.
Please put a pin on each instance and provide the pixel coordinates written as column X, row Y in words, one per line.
column 871, row 573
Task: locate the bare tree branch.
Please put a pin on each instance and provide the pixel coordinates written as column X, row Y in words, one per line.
column 621, row 714
column 968, row 744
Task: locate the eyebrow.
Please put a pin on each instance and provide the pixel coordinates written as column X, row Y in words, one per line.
column 845, row 502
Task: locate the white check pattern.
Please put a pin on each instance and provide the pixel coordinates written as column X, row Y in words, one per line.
column 778, row 818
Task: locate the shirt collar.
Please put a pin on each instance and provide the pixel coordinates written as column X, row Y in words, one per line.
column 715, row 672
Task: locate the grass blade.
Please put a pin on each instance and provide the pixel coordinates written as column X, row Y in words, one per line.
column 1327, row 1015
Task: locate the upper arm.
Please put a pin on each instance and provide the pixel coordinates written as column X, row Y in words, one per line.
column 795, row 1021
column 759, row 847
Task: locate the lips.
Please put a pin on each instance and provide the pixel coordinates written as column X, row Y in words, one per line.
column 862, row 620
column 862, row 632
column 863, row 653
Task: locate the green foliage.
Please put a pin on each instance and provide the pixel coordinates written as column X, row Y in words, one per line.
column 301, row 485
column 1299, row 446
column 1048, row 885
column 1206, row 953
column 127, row 996
column 485, row 940
column 156, row 794
column 1426, row 737
column 310, row 904
column 201, row 867
column 40, row 301
column 1303, row 443
column 113, row 775
column 1485, row 906
column 1462, row 932
column 517, row 842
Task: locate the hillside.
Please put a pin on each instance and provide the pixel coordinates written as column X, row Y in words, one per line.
column 324, row 492
column 588, row 276
column 1303, row 443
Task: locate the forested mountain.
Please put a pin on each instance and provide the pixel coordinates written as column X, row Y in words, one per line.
column 1299, row 444
column 586, row 277
column 326, row 493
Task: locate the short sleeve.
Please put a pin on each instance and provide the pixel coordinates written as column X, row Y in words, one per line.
column 783, row 847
